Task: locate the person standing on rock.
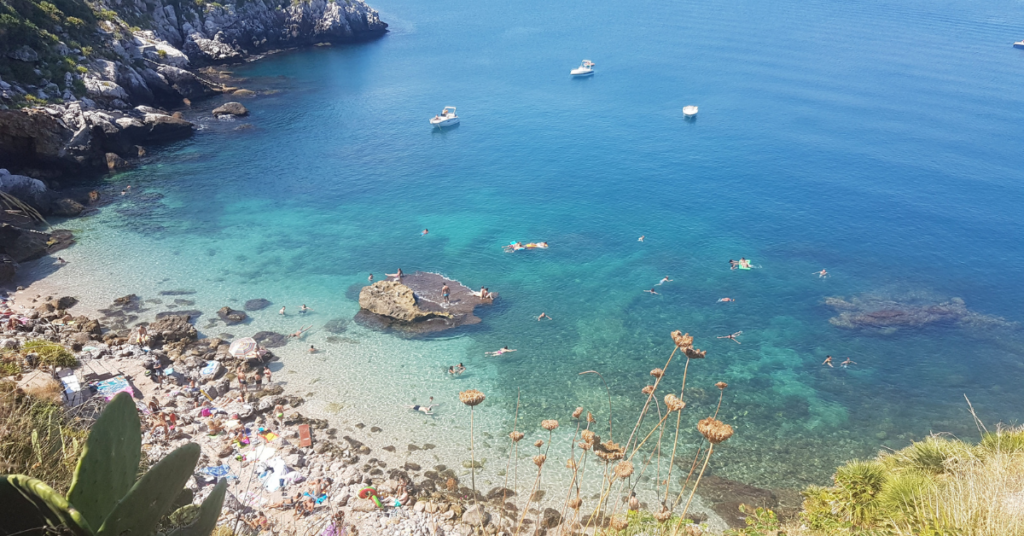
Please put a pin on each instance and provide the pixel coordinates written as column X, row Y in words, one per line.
column 445, row 293
column 258, row 376
column 242, row 384
column 266, row 372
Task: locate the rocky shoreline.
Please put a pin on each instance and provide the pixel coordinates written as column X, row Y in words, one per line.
column 201, row 373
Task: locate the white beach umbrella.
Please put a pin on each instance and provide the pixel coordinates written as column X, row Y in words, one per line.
column 246, row 347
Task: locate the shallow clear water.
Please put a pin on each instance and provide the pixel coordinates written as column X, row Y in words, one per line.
column 875, row 139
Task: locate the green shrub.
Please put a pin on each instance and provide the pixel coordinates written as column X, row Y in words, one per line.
column 1006, row 441
column 50, row 353
column 933, row 455
column 760, row 522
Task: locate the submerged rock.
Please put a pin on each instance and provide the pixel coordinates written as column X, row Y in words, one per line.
column 231, row 316
column 872, row 312
column 269, row 339
column 257, row 304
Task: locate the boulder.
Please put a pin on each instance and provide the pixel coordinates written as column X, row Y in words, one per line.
column 33, row 139
column 8, row 269
column 27, row 189
column 24, row 53
column 25, row 244
column 66, row 207
column 115, row 162
column 163, row 128
column 185, row 83
column 231, row 316
column 173, row 328
column 476, row 516
column 230, row 108
column 396, row 301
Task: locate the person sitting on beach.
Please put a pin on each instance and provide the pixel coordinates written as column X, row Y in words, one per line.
column 721, row 300
column 305, row 507
column 733, row 337
column 261, row 523
column 424, row 409
column 663, row 281
column 651, row 291
column 503, row 350
column 847, row 363
column 544, row 315
column 61, row 260
column 827, row 361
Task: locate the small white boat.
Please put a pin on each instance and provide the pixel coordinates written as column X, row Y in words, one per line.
column 689, row 111
column 446, row 118
column 1019, row 44
column 585, row 69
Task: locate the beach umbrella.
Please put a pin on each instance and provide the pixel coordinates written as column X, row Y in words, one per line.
column 246, row 347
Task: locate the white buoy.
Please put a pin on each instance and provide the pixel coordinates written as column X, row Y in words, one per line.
column 689, row 111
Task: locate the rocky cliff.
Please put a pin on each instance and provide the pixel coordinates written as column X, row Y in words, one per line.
column 97, row 73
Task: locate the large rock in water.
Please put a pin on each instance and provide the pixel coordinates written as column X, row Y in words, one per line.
column 414, row 305
column 230, row 108
column 395, row 300
column 231, row 316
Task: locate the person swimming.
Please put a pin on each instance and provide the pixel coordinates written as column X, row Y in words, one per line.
column 462, row 368
column 641, row 239
column 370, row 279
column 822, row 274
column 651, row 291
column 424, row 233
column 733, row 337
column 732, row 264
column 503, row 350
column 301, row 331
column 312, row 350
column 720, row 300
column 281, row 312
column 847, row 363
column 424, row 409
column 663, row 281
column 827, row 361
column 303, row 309
column 543, row 316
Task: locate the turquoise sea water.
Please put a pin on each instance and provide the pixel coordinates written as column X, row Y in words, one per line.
column 877, row 139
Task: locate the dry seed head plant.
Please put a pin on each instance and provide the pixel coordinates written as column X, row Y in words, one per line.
column 647, row 390
column 576, row 414
column 663, row 515
column 539, row 443
column 575, row 503
column 590, row 418
column 721, row 385
column 549, row 424
column 619, row 522
column 623, row 470
column 590, row 437
column 571, row 464
column 683, row 341
column 657, row 373
column 539, row 459
column 516, row 436
column 693, row 353
column 714, row 430
column 673, row 403
column 471, row 397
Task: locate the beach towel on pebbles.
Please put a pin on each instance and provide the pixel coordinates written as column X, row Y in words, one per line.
column 209, row 370
column 278, row 475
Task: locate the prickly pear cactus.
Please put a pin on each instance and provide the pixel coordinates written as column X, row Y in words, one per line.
column 29, row 506
column 109, row 462
column 152, row 496
column 208, row 513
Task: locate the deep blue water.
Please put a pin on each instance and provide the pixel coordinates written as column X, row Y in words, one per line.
column 877, row 139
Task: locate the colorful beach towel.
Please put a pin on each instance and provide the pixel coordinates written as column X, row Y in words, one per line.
column 117, row 384
column 216, row 471
column 210, row 368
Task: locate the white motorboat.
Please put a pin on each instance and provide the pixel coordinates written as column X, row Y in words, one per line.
column 689, row 111
column 446, row 118
column 585, row 69
column 1019, row 44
